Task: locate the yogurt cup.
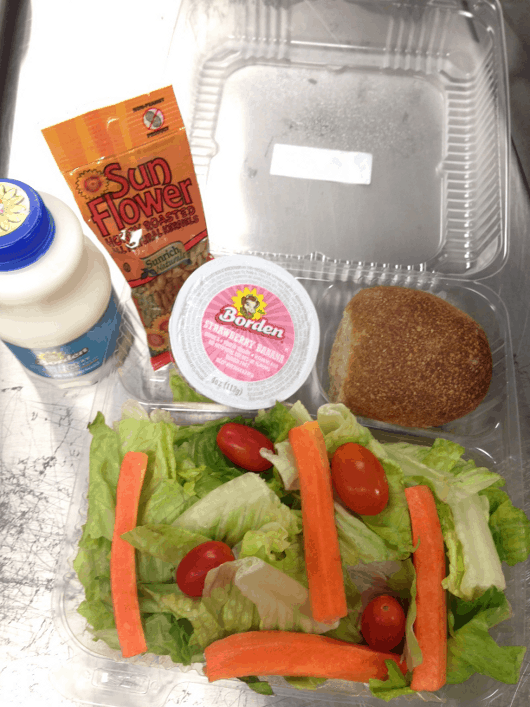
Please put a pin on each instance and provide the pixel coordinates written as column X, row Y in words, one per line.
column 244, row 332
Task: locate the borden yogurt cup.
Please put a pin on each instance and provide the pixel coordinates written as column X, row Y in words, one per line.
column 244, row 332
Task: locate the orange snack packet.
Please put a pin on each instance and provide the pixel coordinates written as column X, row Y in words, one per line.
column 130, row 170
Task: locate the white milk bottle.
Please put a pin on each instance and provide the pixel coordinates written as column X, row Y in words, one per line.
column 58, row 312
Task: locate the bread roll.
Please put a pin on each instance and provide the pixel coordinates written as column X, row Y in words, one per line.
column 409, row 358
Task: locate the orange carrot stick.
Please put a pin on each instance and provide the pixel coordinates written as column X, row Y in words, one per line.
column 430, row 626
column 295, row 654
column 122, row 556
column 321, row 544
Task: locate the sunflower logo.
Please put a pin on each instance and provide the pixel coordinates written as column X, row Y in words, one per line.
column 249, row 303
column 90, row 183
column 14, row 207
column 157, row 340
column 161, row 323
column 157, row 334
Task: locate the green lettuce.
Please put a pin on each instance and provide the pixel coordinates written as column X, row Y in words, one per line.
column 395, row 685
column 392, row 525
column 399, row 580
column 339, row 426
column 244, row 503
column 284, row 462
column 282, row 602
column 192, row 493
column 104, row 470
column 165, row 542
column 474, row 563
column 357, row 542
column 509, row 527
column 182, row 391
column 452, row 480
column 276, row 422
column 471, row 649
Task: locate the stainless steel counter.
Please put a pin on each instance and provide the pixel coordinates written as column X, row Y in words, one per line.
column 77, row 57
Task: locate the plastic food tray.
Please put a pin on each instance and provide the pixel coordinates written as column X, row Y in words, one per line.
column 490, row 435
column 419, row 86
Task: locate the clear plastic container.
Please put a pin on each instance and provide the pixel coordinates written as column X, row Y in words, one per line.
column 490, row 435
column 421, row 88
column 420, row 85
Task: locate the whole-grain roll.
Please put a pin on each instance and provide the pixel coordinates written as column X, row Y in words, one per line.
column 408, row 358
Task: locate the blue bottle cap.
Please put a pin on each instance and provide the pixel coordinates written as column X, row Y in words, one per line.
column 26, row 226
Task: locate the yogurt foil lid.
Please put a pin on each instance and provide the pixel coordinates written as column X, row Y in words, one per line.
column 244, row 332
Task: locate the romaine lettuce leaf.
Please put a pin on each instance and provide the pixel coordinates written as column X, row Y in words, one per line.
column 482, row 566
column 451, row 481
column 265, row 544
column 276, row 422
column 471, row 649
column 393, row 523
column 182, row 391
column 284, row 462
column 395, row 685
column 242, row 504
column 509, row 527
column 357, row 542
column 339, row 426
column 104, row 470
column 474, row 563
column 166, row 635
column 92, row 565
column 168, row 598
column 166, row 542
column 262, row 687
column 282, row 602
column 305, row 683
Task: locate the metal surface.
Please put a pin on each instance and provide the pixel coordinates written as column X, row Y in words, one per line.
column 43, row 430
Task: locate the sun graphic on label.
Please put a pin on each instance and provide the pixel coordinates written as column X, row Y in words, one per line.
column 249, row 303
column 48, row 357
column 14, row 207
column 90, row 183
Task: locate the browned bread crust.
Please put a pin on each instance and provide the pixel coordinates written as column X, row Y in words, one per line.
column 409, row 358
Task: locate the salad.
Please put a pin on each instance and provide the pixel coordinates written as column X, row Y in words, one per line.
column 193, row 494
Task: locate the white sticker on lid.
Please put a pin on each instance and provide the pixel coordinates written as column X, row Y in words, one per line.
column 321, row 164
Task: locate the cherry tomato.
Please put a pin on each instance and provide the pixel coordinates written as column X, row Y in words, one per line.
column 383, row 623
column 359, row 479
column 193, row 568
column 241, row 444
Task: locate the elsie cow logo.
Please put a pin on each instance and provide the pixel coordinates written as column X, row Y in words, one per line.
column 248, row 312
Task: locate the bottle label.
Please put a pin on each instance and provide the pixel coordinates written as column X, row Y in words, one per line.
column 78, row 357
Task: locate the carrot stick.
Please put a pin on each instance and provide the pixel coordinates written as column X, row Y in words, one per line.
column 430, row 626
column 122, row 556
column 295, row 654
column 321, row 544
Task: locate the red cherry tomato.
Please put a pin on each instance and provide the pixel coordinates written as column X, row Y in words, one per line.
column 193, row 568
column 359, row 479
column 241, row 444
column 383, row 623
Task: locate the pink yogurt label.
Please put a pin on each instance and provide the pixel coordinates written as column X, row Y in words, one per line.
column 247, row 333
